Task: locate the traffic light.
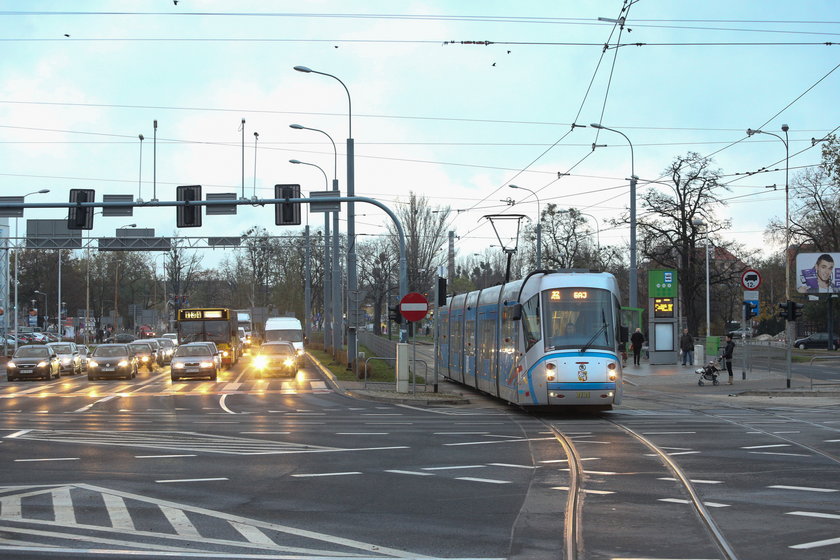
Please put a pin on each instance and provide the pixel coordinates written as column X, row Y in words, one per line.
column 749, row 310
column 441, row 291
column 784, row 310
column 394, row 314
column 81, row 217
column 795, row 310
column 188, row 215
column 287, row 213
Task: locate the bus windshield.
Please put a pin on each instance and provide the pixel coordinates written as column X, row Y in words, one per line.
column 580, row 318
column 210, row 331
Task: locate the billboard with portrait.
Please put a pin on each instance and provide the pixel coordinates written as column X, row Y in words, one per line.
column 818, row 273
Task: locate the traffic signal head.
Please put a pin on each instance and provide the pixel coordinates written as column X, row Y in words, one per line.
column 287, row 213
column 749, row 310
column 795, row 310
column 188, row 215
column 81, row 217
column 783, row 310
column 394, row 314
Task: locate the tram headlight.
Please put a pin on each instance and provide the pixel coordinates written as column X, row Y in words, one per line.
column 550, row 371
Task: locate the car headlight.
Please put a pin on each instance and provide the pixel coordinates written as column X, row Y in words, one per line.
column 43, row 364
column 144, row 358
column 300, row 352
column 260, row 362
column 65, row 361
column 178, row 365
column 224, row 353
column 11, row 365
column 206, row 365
column 93, row 363
column 123, row 363
column 289, row 362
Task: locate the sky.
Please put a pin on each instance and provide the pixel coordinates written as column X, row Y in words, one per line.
column 433, row 108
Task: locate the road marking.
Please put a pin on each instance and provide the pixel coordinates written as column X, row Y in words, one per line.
column 665, row 433
column 51, row 459
column 409, row 472
column 693, row 481
column 281, row 433
column 232, row 387
column 680, row 501
column 566, row 460
column 488, row 480
column 362, row 433
column 503, row 441
column 18, row 433
column 512, row 466
column 815, row 544
column 460, row 433
column 63, row 506
column 325, row 474
column 94, row 403
column 161, row 456
column 252, row 534
column 814, row 514
column 180, row 522
column 601, row 492
column 222, row 405
column 767, row 446
column 453, row 467
column 785, row 454
column 191, row 480
column 803, row 488
column 118, row 512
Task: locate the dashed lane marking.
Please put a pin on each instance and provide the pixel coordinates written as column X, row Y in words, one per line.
column 681, row 501
column 802, row 488
column 487, row 480
column 815, row 514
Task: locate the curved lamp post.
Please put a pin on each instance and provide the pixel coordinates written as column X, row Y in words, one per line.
column 333, row 319
column 352, row 282
column 634, row 281
column 17, row 241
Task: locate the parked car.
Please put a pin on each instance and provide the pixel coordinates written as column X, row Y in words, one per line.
column 31, row 361
column 145, row 354
column 68, row 354
column 741, row 333
column 195, row 359
column 816, row 340
column 276, row 358
column 121, row 338
column 112, row 360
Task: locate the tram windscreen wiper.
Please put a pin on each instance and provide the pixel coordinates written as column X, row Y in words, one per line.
column 597, row 333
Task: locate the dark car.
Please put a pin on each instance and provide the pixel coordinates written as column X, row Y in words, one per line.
column 112, row 360
column 121, row 338
column 816, row 340
column 35, row 361
column 194, row 360
column 276, row 358
column 145, row 354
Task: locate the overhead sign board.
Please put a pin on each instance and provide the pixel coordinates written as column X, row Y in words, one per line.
column 11, row 212
column 324, row 206
column 135, row 244
column 51, row 234
column 220, row 209
column 118, row 210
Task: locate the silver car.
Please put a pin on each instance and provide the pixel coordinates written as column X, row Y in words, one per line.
column 194, row 360
column 68, row 355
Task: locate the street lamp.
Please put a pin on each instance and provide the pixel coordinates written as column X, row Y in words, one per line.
column 332, row 285
column 634, row 281
column 790, row 326
column 140, row 172
column 539, row 224
column 17, row 241
column 352, row 347
column 702, row 224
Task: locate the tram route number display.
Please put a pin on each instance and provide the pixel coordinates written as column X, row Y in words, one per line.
column 663, row 308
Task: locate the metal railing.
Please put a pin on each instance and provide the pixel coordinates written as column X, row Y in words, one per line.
column 827, row 358
column 411, row 371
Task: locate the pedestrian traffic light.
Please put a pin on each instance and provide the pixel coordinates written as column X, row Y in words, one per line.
column 795, row 310
column 81, row 217
column 783, row 310
column 287, row 213
column 749, row 310
column 189, row 215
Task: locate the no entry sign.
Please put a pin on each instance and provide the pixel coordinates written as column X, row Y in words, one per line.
column 414, row 306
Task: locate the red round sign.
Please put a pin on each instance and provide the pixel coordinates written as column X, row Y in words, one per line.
column 750, row 279
column 413, row 306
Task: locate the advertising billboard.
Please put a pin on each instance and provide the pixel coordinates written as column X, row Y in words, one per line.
column 818, row 273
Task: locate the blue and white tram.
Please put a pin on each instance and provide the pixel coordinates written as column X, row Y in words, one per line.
column 551, row 339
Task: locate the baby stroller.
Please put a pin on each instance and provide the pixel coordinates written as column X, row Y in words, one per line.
column 709, row 372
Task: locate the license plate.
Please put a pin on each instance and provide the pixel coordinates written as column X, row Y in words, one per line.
column 26, row 371
column 191, row 370
column 108, row 369
column 583, row 395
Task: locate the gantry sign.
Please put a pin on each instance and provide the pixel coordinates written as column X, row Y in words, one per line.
column 189, row 206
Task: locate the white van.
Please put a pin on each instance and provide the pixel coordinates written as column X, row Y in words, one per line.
column 285, row 328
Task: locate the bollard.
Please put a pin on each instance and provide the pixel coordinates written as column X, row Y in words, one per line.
column 402, row 368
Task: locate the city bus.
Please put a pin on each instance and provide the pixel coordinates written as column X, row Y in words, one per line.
column 211, row 324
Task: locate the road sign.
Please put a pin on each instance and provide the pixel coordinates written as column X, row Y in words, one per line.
column 750, row 279
column 414, row 306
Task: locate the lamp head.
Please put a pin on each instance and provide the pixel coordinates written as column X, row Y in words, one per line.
column 141, row 137
column 256, row 134
column 295, row 161
column 596, row 125
column 296, row 126
column 514, row 186
column 750, row 132
column 785, row 128
column 43, row 191
column 303, row 69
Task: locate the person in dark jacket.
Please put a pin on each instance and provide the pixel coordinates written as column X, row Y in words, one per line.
column 728, row 353
column 636, row 341
column 687, row 347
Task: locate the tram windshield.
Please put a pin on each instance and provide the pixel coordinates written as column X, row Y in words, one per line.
column 579, row 318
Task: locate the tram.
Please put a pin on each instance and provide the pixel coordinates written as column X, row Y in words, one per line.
column 548, row 340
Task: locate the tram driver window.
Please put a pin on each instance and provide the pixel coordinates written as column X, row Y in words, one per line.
column 531, row 321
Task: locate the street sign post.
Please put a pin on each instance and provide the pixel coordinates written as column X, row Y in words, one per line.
column 414, row 307
column 751, row 279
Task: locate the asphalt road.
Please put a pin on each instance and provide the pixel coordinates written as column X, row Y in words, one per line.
column 294, row 468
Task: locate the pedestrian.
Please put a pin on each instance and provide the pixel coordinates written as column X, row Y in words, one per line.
column 687, row 348
column 728, row 352
column 636, row 341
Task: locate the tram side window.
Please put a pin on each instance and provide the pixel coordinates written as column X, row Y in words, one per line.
column 531, row 321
